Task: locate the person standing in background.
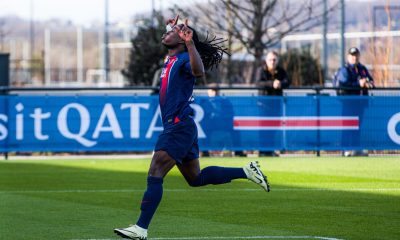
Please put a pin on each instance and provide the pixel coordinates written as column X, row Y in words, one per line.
column 353, row 79
column 273, row 79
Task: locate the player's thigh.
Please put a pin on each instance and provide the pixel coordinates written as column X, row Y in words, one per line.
column 161, row 164
column 190, row 169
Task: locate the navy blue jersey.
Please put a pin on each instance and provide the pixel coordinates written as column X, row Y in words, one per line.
column 176, row 89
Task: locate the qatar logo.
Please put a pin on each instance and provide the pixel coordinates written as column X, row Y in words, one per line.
column 79, row 127
column 391, row 128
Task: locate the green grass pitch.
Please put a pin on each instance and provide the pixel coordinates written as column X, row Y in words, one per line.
column 310, row 198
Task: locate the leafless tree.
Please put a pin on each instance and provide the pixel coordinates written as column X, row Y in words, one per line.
column 382, row 50
column 256, row 25
column 3, row 33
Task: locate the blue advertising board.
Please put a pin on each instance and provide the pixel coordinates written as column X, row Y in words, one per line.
column 133, row 123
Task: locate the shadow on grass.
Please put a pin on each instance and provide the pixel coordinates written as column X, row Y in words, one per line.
column 62, row 202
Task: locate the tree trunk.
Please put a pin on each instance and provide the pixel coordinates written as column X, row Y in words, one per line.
column 258, row 59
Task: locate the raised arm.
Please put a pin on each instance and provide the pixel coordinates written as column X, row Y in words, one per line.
column 186, row 34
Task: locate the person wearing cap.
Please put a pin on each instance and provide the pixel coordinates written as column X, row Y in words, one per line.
column 354, row 79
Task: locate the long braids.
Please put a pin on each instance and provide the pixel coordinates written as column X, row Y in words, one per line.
column 210, row 50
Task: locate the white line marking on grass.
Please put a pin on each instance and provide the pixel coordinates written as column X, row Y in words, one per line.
column 203, row 190
column 233, row 237
column 249, row 237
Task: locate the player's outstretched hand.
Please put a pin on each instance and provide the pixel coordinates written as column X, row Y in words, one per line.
column 186, row 34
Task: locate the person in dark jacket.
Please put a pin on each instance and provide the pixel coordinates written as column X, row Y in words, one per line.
column 354, row 77
column 273, row 79
column 218, row 121
column 354, row 80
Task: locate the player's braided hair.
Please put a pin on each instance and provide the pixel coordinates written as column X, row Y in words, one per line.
column 210, row 50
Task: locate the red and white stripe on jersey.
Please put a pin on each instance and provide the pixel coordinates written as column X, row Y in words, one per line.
column 165, row 76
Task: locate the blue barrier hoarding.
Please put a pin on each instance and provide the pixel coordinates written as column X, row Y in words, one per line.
column 132, row 123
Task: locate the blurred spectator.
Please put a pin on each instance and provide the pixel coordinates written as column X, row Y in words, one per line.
column 273, row 79
column 220, row 120
column 156, row 82
column 354, row 79
column 354, row 76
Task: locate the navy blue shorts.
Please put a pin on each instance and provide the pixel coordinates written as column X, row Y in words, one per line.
column 180, row 141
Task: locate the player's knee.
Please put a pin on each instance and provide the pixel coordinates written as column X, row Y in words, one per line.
column 160, row 164
column 197, row 182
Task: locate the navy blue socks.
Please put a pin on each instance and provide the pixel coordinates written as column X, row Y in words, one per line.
column 150, row 201
column 209, row 175
column 217, row 175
